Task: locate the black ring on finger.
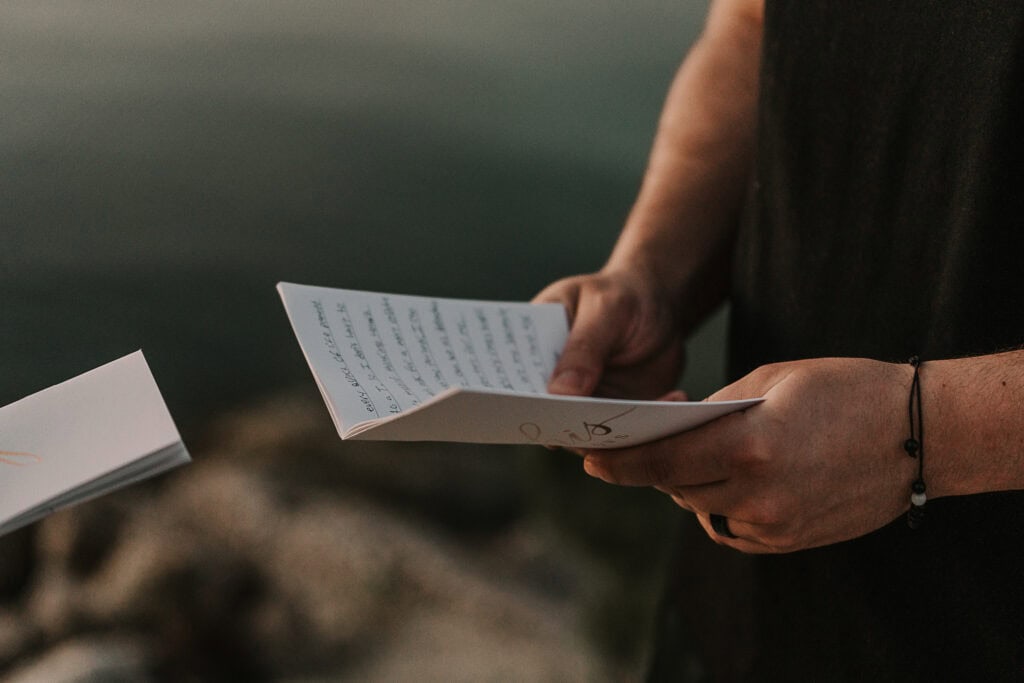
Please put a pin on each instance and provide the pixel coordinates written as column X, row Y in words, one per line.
column 720, row 524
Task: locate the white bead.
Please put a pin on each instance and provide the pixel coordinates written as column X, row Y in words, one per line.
column 918, row 499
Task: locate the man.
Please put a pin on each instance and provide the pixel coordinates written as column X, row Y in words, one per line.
column 845, row 174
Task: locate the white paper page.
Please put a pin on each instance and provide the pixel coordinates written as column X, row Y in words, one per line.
column 377, row 355
column 61, row 438
column 149, row 466
column 549, row 420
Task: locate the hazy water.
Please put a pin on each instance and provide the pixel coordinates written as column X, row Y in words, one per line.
column 164, row 164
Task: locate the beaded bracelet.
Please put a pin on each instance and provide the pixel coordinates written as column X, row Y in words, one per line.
column 914, row 446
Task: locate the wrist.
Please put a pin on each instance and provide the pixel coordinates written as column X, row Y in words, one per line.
column 652, row 250
column 692, row 279
column 972, row 417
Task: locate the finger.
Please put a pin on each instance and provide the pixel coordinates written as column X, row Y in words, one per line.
column 675, row 395
column 716, row 496
column 565, row 292
column 681, row 502
column 704, row 455
column 593, row 337
column 745, row 535
column 676, row 498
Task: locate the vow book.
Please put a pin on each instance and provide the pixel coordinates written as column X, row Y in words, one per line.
column 411, row 368
column 100, row 431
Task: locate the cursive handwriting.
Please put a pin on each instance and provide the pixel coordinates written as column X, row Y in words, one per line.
column 593, row 434
column 334, row 351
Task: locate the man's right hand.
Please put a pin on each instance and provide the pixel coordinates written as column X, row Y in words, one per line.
column 624, row 340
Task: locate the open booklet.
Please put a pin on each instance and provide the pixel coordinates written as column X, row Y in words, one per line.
column 82, row 438
column 410, row 368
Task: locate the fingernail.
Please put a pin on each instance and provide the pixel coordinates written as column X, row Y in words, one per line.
column 566, row 382
column 592, row 469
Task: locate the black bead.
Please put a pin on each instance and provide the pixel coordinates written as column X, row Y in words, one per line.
column 915, row 361
column 919, row 486
column 910, row 446
column 915, row 516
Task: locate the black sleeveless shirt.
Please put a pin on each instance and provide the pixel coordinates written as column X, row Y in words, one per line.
column 884, row 220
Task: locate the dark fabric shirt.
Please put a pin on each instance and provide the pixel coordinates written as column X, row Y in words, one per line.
column 884, row 220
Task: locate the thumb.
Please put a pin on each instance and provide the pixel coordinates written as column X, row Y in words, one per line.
column 676, row 395
column 592, row 339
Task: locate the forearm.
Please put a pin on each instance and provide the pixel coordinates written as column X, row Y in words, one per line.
column 681, row 228
column 974, row 424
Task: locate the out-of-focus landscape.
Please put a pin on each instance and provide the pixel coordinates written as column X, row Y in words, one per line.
column 162, row 167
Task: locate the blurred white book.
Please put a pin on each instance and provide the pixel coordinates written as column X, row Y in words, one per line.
column 411, row 368
column 76, row 440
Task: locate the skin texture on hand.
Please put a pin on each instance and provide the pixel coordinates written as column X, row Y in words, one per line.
column 624, row 340
column 818, row 462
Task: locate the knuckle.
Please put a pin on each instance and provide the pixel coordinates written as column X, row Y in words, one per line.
column 610, row 296
column 771, row 511
column 753, row 453
column 763, row 372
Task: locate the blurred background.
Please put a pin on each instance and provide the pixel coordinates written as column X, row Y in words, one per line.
column 162, row 166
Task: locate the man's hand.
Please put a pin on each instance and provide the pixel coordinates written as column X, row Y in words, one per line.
column 820, row 461
column 624, row 339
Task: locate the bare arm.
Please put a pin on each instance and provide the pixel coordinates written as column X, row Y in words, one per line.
column 974, row 421
column 670, row 267
column 682, row 225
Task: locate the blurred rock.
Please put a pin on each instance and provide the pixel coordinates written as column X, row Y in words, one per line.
column 435, row 645
column 17, row 635
column 467, row 487
column 87, row 660
column 266, row 560
column 16, row 562
column 80, row 538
